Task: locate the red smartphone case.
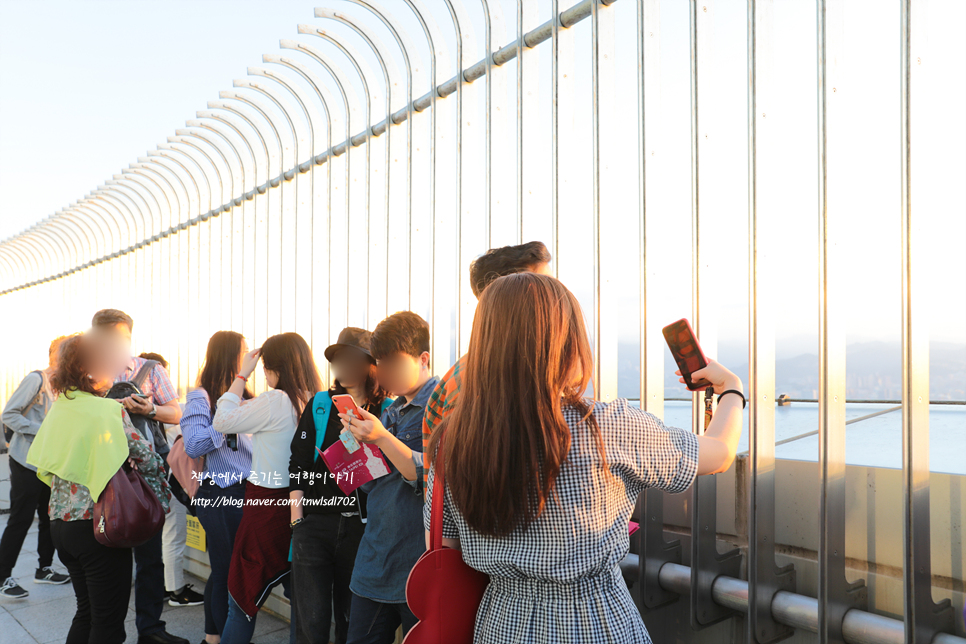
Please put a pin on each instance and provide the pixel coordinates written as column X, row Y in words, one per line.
column 687, row 352
column 344, row 403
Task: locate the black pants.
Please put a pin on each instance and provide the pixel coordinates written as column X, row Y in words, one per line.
column 28, row 495
column 324, row 550
column 102, row 582
column 376, row 623
column 149, row 585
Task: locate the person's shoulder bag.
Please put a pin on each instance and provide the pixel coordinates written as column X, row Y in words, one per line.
column 442, row 590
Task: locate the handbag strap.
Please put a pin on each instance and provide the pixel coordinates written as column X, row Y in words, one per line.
column 439, row 493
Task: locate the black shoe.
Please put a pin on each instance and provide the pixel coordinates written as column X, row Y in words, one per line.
column 12, row 590
column 185, row 597
column 161, row 637
column 48, row 575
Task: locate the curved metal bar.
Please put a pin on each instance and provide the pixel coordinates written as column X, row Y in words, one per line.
column 37, row 252
column 103, row 193
column 265, row 113
column 95, row 242
column 71, row 250
column 56, row 222
column 274, row 158
column 28, row 263
column 390, row 78
column 226, row 120
column 156, row 157
column 362, row 69
column 166, row 151
column 102, row 225
column 119, row 183
column 184, row 135
column 148, row 173
column 55, row 251
column 153, row 164
column 312, row 117
column 223, row 203
column 350, row 103
column 434, row 93
column 405, row 46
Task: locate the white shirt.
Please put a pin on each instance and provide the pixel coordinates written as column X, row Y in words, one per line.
column 271, row 420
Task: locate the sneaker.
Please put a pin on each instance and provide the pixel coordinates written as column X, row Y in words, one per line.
column 185, row 597
column 12, row 590
column 48, row 575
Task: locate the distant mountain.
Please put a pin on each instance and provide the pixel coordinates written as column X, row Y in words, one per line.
column 873, row 372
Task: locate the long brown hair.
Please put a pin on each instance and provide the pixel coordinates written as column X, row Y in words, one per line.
column 289, row 355
column 507, row 437
column 222, row 360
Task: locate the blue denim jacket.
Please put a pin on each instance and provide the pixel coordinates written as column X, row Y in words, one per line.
column 394, row 537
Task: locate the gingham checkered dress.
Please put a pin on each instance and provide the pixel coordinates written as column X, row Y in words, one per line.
column 559, row 581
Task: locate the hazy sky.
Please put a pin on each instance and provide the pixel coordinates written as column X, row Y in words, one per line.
column 88, row 86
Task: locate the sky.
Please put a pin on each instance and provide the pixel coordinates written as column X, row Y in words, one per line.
column 86, row 86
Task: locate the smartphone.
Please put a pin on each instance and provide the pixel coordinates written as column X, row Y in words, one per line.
column 687, row 352
column 346, row 405
column 142, row 396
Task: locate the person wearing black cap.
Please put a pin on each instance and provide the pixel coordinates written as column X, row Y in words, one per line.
column 328, row 526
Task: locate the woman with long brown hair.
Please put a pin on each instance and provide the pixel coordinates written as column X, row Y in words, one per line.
column 222, row 487
column 540, row 481
column 260, row 557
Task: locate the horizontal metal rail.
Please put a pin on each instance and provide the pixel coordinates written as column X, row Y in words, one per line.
column 791, row 609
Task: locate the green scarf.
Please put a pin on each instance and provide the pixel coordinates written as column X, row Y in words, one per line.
column 81, row 440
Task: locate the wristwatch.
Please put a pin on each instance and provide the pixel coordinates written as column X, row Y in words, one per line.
column 153, row 412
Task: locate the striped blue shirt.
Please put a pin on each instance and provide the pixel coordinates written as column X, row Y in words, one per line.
column 222, row 464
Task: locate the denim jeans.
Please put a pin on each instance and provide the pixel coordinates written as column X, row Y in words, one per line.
column 220, row 524
column 238, row 628
column 373, row 622
column 323, row 552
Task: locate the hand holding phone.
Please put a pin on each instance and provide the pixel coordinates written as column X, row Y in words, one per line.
column 346, row 405
column 687, row 353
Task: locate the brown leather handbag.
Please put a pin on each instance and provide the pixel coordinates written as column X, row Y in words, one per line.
column 128, row 512
column 442, row 590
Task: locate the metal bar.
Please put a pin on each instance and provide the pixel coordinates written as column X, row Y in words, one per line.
column 923, row 617
column 765, row 579
column 707, row 563
column 650, row 505
column 836, row 596
column 790, row 609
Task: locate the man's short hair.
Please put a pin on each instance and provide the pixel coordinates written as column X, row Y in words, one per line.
column 155, row 356
column 402, row 332
column 112, row 317
column 497, row 262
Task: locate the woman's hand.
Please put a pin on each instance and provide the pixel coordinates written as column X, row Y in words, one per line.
column 367, row 429
column 718, row 375
column 249, row 362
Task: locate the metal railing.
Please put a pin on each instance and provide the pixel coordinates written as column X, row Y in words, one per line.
column 347, row 178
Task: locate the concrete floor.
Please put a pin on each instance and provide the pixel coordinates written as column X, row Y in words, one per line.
column 45, row 615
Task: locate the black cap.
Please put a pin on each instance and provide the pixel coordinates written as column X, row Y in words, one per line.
column 350, row 337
